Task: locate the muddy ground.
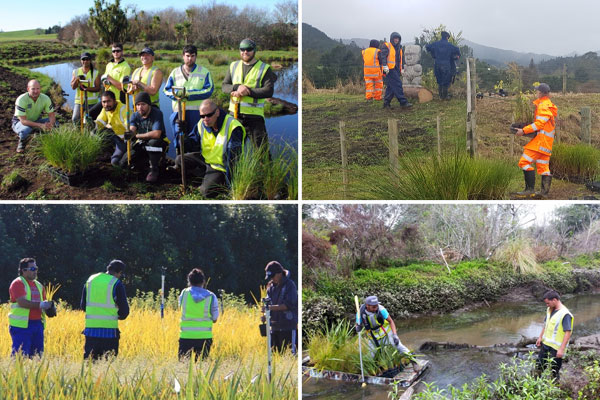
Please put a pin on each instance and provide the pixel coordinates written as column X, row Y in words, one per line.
column 102, row 182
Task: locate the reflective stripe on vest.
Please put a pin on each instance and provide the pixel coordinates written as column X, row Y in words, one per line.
column 214, row 148
column 92, row 96
column 196, row 321
column 253, row 79
column 100, row 308
column 553, row 330
column 392, row 56
column 19, row 316
column 379, row 331
column 195, row 81
column 137, row 75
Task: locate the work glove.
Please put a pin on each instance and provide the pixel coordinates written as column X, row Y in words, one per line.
column 358, row 328
column 180, row 125
column 396, row 340
column 386, row 69
column 44, row 305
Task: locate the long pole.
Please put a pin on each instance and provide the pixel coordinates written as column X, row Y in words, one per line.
column 162, row 292
column 362, row 372
column 269, row 355
column 81, row 109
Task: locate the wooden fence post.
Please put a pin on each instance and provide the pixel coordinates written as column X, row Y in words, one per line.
column 393, row 136
column 344, row 149
column 439, row 139
column 586, row 125
column 564, row 76
column 471, row 98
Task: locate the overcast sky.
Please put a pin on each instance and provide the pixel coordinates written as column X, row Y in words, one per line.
column 550, row 27
column 34, row 14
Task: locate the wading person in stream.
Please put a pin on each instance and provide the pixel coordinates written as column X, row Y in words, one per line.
column 380, row 327
column 199, row 311
column 539, row 149
column 284, row 307
column 91, row 86
column 26, row 318
column 445, row 55
column 250, row 81
column 28, row 114
column 105, row 303
column 554, row 337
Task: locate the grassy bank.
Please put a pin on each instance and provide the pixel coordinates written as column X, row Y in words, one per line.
column 147, row 364
column 428, row 288
column 367, row 137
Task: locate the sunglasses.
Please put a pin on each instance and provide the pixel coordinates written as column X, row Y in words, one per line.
column 30, row 269
column 117, row 50
column 202, row 116
column 247, row 50
column 85, row 59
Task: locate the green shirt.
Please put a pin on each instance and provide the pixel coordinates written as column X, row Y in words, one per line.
column 25, row 106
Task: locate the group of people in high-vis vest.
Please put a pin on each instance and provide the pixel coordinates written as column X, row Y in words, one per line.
column 104, row 301
column 383, row 63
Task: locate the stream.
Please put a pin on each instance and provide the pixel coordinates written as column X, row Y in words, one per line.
column 484, row 326
column 282, row 129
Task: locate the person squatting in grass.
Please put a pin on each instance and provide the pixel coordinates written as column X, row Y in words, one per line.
column 284, row 307
column 445, row 55
column 251, row 81
column 221, row 142
column 391, row 59
column 381, row 329
column 26, row 318
column 113, row 76
column 92, row 86
column 199, row 86
column 29, row 108
column 554, row 337
column 539, row 149
column 372, row 71
column 113, row 119
column 105, row 303
column 148, row 135
column 199, row 311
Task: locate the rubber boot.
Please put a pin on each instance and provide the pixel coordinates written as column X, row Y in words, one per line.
column 529, row 185
column 546, row 181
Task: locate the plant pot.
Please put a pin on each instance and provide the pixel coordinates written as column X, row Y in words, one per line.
column 73, row 179
column 263, row 329
column 51, row 312
column 521, row 125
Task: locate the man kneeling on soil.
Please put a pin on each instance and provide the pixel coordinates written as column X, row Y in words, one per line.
column 147, row 132
column 28, row 111
column 113, row 118
column 381, row 328
column 221, row 141
column 555, row 336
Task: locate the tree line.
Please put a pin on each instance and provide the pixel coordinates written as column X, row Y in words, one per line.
column 211, row 25
column 231, row 243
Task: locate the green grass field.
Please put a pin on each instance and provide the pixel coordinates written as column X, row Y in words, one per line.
column 28, row 34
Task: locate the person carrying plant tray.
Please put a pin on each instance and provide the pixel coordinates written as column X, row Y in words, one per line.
column 147, row 131
column 381, row 329
column 539, row 149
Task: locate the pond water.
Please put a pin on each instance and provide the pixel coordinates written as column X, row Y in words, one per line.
column 485, row 326
column 282, row 129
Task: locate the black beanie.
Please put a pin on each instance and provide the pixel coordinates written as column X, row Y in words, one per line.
column 143, row 97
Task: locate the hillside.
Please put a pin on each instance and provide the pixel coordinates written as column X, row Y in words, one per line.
column 314, row 39
column 500, row 57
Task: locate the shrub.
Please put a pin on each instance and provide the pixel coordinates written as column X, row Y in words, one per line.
column 518, row 254
column 451, row 177
column 522, row 111
column 319, row 311
column 70, row 150
column 218, row 59
column 578, row 162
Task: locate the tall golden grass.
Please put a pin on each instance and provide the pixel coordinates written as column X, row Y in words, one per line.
column 147, row 365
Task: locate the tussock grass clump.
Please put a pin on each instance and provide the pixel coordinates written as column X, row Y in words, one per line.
column 334, row 348
column 245, row 175
column 578, row 162
column 520, row 256
column 451, row 177
column 279, row 171
column 70, row 150
column 218, row 59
